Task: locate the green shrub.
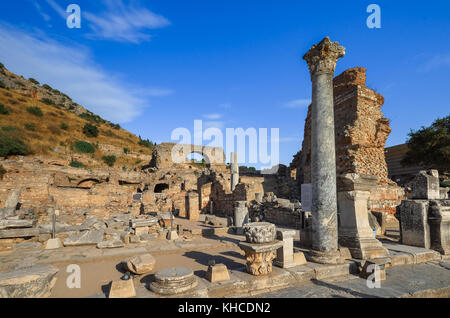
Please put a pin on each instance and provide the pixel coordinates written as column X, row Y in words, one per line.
column 109, row 160
column 2, row 172
column 146, row 143
column 35, row 110
column 2, row 66
column 47, row 87
column 64, row 126
column 90, row 130
column 4, row 110
column 47, row 101
column 84, row 147
column 29, row 126
column 92, row 118
column 10, row 146
column 115, row 126
column 126, row 151
column 9, row 128
column 2, row 85
column 76, row 164
column 32, row 80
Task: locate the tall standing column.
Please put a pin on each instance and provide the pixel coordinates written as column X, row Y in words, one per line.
column 234, row 170
column 322, row 59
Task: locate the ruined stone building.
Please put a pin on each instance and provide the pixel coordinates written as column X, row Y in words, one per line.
column 361, row 132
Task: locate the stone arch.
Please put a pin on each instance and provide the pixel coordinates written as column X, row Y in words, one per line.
column 160, row 187
column 162, row 154
column 88, row 183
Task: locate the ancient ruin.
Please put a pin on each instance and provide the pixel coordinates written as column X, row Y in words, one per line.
column 172, row 226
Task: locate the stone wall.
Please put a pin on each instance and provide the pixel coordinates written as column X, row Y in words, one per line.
column 361, row 132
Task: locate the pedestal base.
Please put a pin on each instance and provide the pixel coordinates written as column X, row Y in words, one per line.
column 364, row 248
column 333, row 257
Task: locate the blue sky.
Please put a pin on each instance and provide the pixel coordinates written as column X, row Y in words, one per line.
column 154, row 66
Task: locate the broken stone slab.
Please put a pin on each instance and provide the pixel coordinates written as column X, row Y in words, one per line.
column 148, row 237
column 122, row 289
column 29, row 282
column 141, row 264
column 136, row 223
column 14, row 224
column 59, row 228
column 110, row 244
column 84, row 238
column 141, row 230
column 13, row 233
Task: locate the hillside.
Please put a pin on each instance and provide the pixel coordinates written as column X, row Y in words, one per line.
column 39, row 120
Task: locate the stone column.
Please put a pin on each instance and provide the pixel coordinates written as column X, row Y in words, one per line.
column 240, row 216
column 322, row 59
column 234, row 170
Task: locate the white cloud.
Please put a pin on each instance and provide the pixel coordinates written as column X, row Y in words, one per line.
column 213, row 124
column 213, row 116
column 298, row 103
column 225, row 105
column 70, row 70
column 154, row 91
column 44, row 15
column 61, row 12
column 119, row 22
column 436, row 62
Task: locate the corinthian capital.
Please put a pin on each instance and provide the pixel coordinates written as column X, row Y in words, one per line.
column 322, row 57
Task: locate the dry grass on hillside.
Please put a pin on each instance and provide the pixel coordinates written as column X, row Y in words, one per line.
column 45, row 134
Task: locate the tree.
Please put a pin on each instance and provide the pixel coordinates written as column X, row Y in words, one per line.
column 430, row 146
column 90, row 130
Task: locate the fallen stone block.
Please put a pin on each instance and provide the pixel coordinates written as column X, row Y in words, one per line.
column 14, row 224
column 141, row 264
column 217, row 273
column 29, row 232
column 136, row 223
column 84, row 238
column 53, row 244
column 110, row 244
column 122, row 289
column 141, row 231
column 31, row 282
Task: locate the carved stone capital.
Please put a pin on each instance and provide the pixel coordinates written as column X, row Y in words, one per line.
column 322, row 57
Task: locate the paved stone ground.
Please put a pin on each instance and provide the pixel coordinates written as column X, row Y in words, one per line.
column 421, row 280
